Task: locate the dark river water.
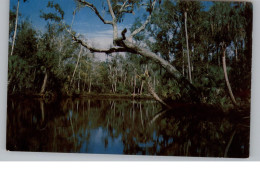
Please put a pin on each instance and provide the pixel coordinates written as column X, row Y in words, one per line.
column 125, row 127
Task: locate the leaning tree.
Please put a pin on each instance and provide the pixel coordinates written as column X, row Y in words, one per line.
column 126, row 43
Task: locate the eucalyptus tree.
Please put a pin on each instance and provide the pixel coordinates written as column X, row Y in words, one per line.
column 12, row 20
column 122, row 43
column 16, row 24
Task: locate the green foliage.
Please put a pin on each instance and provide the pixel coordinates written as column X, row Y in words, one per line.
column 117, row 5
column 26, row 41
column 57, row 16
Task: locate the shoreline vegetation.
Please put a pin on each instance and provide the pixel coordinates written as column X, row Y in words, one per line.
column 49, row 95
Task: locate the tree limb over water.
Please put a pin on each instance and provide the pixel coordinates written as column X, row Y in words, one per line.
column 126, row 44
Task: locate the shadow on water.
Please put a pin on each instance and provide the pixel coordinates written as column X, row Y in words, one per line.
column 125, row 127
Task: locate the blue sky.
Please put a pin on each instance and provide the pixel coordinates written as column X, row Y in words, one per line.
column 85, row 23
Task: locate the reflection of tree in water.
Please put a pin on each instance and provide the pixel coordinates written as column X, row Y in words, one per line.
column 201, row 131
column 184, row 131
column 67, row 126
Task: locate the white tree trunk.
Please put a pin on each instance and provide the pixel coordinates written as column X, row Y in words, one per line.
column 187, row 43
column 71, row 81
column 226, row 76
column 15, row 29
column 44, row 82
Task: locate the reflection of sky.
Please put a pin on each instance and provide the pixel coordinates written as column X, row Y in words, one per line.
column 55, row 133
column 96, row 143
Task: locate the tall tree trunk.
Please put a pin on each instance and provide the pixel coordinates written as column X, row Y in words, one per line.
column 154, row 83
column 15, row 29
column 60, row 52
column 141, row 89
column 84, row 85
column 218, row 56
column 134, row 81
column 71, row 81
column 125, row 76
column 236, row 54
column 187, row 43
column 79, row 79
column 115, row 84
column 115, row 79
column 44, row 82
column 226, row 75
column 89, row 87
column 183, row 61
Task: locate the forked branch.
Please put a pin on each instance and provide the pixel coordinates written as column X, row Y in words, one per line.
column 141, row 28
column 124, row 8
column 93, row 8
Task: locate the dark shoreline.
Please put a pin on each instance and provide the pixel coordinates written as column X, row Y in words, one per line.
column 84, row 95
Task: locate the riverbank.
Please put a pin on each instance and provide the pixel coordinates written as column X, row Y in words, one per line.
column 48, row 95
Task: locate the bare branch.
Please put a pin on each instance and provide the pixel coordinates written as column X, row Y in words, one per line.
column 74, row 13
column 123, row 6
column 111, row 11
column 92, row 7
column 127, row 11
column 129, row 5
column 98, row 50
column 145, row 23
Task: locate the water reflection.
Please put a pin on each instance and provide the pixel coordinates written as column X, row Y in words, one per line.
column 125, row 127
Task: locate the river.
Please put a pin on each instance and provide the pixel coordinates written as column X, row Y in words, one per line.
column 116, row 126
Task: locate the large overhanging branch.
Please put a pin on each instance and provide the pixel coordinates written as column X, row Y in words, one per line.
column 164, row 63
column 92, row 7
column 141, row 28
column 97, row 50
column 123, row 44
